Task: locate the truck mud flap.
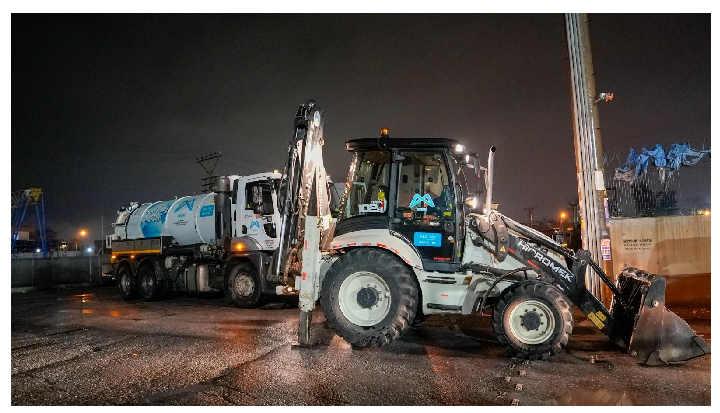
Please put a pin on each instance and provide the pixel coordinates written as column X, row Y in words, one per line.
column 656, row 335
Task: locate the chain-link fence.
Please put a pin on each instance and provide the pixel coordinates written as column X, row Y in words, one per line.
column 659, row 191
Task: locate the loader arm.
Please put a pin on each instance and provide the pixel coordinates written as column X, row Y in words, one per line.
column 637, row 320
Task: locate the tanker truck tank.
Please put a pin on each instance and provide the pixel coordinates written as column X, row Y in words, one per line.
column 189, row 220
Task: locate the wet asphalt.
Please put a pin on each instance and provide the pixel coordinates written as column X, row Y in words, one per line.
column 89, row 347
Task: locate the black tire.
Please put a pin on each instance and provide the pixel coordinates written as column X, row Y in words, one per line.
column 559, row 307
column 243, row 286
column 420, row 316
column 127, row 283
column 149, row 287
column 403, row 290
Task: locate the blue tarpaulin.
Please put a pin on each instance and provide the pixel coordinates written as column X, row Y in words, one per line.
column 678, row 155
column 682, row 154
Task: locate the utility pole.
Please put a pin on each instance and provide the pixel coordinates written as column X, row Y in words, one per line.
column 592, row 196
column 530, row 211
column 209, row 166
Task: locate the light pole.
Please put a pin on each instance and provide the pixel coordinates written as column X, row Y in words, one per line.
column 562, row 226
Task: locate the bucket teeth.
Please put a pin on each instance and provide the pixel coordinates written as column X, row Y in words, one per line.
column 656, row 335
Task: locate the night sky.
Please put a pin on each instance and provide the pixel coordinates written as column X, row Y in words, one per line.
column 111, row 109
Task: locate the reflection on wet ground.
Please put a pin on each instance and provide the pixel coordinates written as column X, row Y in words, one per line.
column 92, row 348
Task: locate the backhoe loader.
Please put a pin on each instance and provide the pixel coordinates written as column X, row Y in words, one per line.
column 411, row 238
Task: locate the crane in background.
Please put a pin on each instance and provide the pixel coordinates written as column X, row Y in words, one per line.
column 20, row 202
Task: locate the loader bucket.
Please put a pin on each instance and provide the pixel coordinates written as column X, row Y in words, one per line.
column 655, row 335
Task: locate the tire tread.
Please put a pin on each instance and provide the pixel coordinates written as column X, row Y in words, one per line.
column 407, row 299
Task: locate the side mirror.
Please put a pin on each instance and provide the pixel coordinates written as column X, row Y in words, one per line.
column 472, row 161
column 257, row 201
column 477, row 167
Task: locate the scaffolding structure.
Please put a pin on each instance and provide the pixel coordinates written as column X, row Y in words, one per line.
column 20, row 202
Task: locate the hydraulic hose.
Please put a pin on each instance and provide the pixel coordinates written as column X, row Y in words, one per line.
column 497, row 280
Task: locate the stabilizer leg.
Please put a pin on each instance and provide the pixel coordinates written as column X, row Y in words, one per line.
column 304, row 328
column 308, row 284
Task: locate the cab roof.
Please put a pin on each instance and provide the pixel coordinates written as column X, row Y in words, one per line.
column 400, row 143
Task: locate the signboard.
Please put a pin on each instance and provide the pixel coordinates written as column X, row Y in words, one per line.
column 427, row 239
column 605, row 249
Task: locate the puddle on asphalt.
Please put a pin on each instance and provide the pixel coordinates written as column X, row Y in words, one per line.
column 585, row 397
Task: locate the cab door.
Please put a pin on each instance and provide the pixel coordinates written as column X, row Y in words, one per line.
column 425, row 208
column 263, row 228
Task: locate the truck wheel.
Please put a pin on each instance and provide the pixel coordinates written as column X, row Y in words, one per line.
column 369, row 297
column 243, row 287
column 533, row 320
column 150, row 287
column 127, row 283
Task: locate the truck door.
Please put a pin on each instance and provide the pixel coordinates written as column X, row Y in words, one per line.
column 263, row 228
column 425, row 209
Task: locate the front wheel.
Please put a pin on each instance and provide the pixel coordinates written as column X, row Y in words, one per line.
column 533, row 319
column 369, row 297
column 243, row 286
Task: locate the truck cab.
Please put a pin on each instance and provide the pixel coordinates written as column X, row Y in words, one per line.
column 261, row 227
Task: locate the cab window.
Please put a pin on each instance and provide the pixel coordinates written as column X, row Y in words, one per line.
column 267, row 190
column 425, row 195
column 368, row 184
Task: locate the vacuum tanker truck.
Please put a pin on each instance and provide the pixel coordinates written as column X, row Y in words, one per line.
column 220, row 241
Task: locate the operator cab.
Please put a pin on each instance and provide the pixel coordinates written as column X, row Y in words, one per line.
column 409, row 186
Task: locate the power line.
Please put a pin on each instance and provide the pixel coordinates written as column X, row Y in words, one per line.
column 208, row 162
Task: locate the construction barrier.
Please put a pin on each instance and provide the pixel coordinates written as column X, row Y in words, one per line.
column 676, row 247
column 38, row 271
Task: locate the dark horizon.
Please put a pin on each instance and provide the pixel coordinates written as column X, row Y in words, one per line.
column 108, row 109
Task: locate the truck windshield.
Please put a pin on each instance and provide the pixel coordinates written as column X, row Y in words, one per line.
column 368, row 181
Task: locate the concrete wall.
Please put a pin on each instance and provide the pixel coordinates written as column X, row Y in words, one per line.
column 676, row 247
column 27, row 272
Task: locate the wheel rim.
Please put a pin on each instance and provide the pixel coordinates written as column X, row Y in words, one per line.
column 147, row 282
column 532, row 322
column 244, row 285
column 364, row 298
column 125, row 282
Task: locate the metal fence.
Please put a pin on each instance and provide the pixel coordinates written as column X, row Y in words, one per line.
column 38, row 271
column 659, row 191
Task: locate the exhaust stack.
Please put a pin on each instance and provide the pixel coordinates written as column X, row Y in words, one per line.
column 489, row 182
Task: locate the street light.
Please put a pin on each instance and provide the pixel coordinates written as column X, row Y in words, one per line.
column 562, row 227
column 81, row 233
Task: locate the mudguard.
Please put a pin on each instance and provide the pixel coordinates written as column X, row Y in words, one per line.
column 379, row 238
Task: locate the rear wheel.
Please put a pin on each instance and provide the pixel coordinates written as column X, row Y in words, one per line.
column 127, row 283
column 369, row 297
column 533, row 320
column 243, row 287
column 150, row 288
